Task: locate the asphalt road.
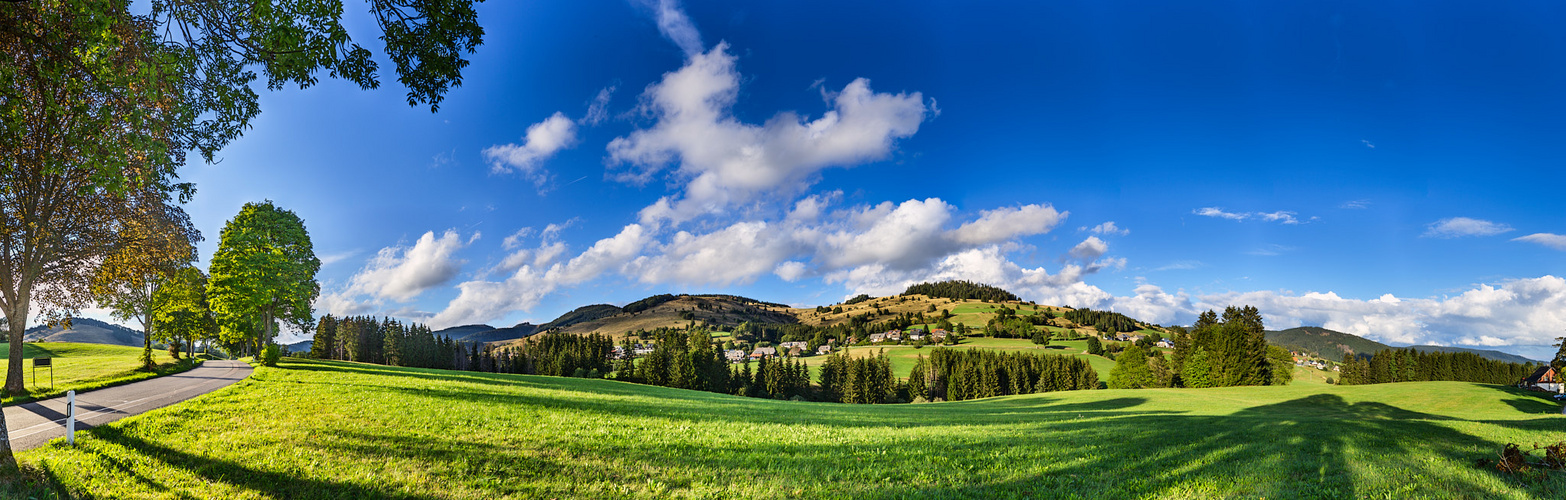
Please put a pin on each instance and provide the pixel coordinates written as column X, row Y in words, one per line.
column 35, row 423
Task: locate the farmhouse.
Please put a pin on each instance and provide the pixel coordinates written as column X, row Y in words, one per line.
column 876, row 338
column 824, row 349
column 1544, row 379
column 788, row 346
column 894, row 335
column 734, row 355
column 938, row 334
column 764, row 352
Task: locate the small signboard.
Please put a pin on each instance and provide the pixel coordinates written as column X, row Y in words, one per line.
column 48, row 362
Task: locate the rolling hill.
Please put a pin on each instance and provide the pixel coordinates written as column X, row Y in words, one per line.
column 1329, row 344
column 87, row 331
column 1333, row 345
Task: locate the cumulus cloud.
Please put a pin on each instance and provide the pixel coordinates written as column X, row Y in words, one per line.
column 398, row 273
column 1109, row 228
column 1007, row 223
column 738, row 253
column 1089, row 249
column 542, row 141
column 1551, row 240
column 1456, row 227
column 402, row 273
column 480, row 300
column 724, row 161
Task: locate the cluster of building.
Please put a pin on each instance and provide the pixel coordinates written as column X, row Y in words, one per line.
column 912, row 335
column 1305, row 360
column 791, row 349
column 1544, row 379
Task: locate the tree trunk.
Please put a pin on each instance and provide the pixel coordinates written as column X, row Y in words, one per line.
column 146, row 347
column 17, row 321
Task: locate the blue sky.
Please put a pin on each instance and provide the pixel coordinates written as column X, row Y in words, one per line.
column 1388, row 169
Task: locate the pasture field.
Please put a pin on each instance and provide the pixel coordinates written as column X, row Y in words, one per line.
column 314, row 429
column 83, row 367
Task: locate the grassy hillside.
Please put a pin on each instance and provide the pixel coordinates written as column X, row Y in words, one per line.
column 82, row 367
column 721, row 311
column 1325, row 343
column 312, row 429
column 86, row 330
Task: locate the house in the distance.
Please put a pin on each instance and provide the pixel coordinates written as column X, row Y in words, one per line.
column 824, row 349
column 789, row 346
column 1543, row 379
column 764, row 352
column 894, row 335
column 734, row 355
column 876, row 338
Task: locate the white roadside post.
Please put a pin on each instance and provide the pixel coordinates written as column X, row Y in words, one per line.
column 70, row 418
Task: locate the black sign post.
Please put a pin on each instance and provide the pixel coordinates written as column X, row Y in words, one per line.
column 49, row 362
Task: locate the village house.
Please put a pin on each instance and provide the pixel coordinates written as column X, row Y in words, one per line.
column 643, row 349
column 894, row 335
column 1165, row 343
column 1543, row 379
column 938, row 334
column 763, row 353
column 824, row 349
column 787, row 346
column 734, row 355
column 876, row 338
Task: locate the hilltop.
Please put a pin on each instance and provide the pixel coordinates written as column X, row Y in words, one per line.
column 717, row 311
column 1324, row 343
column 86, row 331
column 1334, row 345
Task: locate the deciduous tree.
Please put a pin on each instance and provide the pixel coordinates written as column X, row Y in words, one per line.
column 263, row 273
column 180, row 309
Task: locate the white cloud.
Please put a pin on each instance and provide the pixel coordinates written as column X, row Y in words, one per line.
column 904, row 236
column 724, row 161
column 1089, row 249
column 480, row 300
column 737, row 253
column 1463, row 226
column 1551, row 240
column 1355, row 205
column 598, row 110
column 1218, row 212
column 542, row 141
column 1109, row 228
column 675, row 25
column 1004, row 224
column 790, row 271
column 1281, row 216
column 402, row 273
column 333, row 258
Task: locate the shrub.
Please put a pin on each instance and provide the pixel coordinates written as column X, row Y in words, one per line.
column 270, row 356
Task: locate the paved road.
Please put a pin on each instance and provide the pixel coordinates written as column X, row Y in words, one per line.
column 34, row 424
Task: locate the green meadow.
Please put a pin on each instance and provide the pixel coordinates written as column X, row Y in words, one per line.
column 83, row 367
column 315, row 429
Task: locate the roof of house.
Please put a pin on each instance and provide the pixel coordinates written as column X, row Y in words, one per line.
column 1539, row 374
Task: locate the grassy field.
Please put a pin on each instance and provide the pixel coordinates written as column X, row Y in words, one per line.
column 312, row 429
column 83, row 367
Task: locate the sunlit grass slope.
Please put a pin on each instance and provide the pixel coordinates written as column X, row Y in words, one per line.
column 82, row 367
column 312, row 429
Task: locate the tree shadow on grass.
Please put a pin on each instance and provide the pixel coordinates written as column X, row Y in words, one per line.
column 1341, row 450
column 277, row 484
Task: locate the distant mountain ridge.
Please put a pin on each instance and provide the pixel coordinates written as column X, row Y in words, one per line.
column 87, row 331
column 1335, row 345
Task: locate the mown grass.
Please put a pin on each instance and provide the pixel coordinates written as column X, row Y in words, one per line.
column 313, row 429
column 84, row 367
